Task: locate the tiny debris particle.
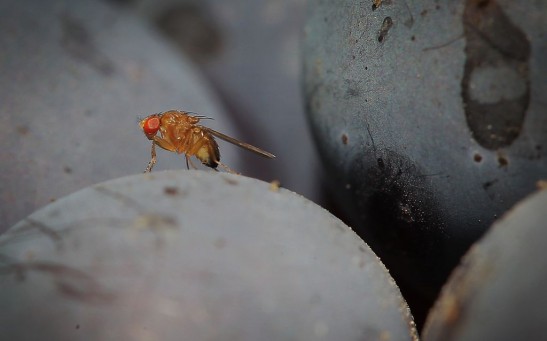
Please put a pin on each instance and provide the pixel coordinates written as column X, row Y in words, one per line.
column 230, row 181
column 477, row 157
column 502, row 161
column 344, row 139
column 376, row 4
column 171, row 190
column 275, row 185
column 489, row 184
column 23, row 130
column 386, row 26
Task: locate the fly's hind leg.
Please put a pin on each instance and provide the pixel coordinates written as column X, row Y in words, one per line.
column 190, row 163
column 226, row 168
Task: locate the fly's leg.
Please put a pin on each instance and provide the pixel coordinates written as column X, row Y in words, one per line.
column 226, row 168
column 190, row 163
column 152, row 160
column 205, row 142
column 162, row 143
column 202, row 142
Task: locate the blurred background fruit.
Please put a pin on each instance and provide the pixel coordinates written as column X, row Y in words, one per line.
column 76, row 75
column 205, row 255
column 498, row 292
column 430, row 118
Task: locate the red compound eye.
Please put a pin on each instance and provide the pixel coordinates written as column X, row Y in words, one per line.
column 151, row 125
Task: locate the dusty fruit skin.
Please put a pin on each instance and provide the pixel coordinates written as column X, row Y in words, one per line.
column 430, row 122
column 498, row 292
column 202, row 254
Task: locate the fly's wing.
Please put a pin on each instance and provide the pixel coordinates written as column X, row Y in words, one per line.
column 238, row 143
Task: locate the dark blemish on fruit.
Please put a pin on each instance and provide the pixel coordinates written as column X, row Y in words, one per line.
column 386, row 26
column 380, row 162
column 489, row 184
column 496, row 84
column 171, row 190
column 502, row 161
column 22, row 130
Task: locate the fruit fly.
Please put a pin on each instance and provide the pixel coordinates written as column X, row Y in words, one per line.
column 180, row 133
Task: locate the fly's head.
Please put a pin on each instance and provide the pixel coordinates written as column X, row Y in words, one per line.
column 150, row 125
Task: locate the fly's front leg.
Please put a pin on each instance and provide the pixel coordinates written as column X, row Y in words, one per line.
column 162, row 143
column 152, row 160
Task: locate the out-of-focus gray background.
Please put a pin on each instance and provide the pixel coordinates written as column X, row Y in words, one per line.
column 249, row 52
column 76, row 75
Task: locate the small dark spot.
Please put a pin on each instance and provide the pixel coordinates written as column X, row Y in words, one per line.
column 353, row 57
column 351, row 92
column 23, row 130
column 52, row 199
column 77, row 326
column 423, row 13
column 171, row 190
column 381, row 164
column 538, row 147
column 413, row 38
column 502, row 161
column 344, row 139
column 230, row 181
column 67, row 170
column 489, row 184
column 437, row 7
column 477, row 157
column 366, row 67
column 356, row 41
column 362, row 249
column 366, row 100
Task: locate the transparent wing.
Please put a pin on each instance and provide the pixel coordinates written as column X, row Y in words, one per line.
column 239, row 143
